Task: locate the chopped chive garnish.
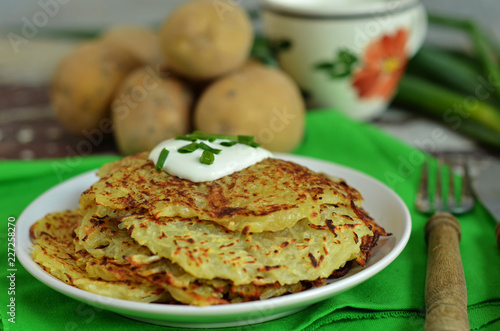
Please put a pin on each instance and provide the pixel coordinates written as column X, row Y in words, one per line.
column 253, row 144
column 205, row 147
column 199, row 135
column 186, row 138
column 188, row 148
column 207, row 157
column 224, row 136
column 210, row 136
column 204, row 136
column 228, row 143
column 247, row 140
column 161, row 159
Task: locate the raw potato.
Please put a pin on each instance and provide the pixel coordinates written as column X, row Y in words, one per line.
column 204, row 39
column 141, row 41
column 84, row 83
column 148, row 109
column 257, row 101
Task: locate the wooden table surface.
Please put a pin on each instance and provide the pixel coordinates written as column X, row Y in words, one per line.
column 28, row 129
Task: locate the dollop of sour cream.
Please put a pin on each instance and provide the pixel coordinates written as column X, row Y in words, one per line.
column 227, row 161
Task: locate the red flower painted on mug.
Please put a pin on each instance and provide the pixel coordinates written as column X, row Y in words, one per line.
column 384, row 63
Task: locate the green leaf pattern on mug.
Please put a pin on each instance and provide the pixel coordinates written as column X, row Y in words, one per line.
column 341, row 66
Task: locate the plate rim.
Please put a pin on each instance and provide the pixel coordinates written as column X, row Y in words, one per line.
column 161, row 312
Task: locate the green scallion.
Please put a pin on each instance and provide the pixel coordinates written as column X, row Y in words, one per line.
column 224, row 136
column 207, row 157
column 208, row 154
column 188, row 138
column 205, row 147
column 201, row 136
column 247, row 140
column 228, row 143
column 195, row 135
column 161, row 159
column 188, row 148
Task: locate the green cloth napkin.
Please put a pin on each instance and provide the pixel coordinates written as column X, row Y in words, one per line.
column 391, row 300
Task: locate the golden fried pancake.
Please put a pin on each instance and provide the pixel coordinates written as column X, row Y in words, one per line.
column 207, row 250
column 271, row 195
column 271, row 229
column 138, row 277
column 55, row 253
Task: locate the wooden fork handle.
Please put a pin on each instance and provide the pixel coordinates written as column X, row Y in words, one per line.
column 445, row 290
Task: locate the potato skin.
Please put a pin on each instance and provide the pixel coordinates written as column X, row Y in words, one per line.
column 202, row 39
column 84, row 83
column 257, row 101
column 148, row 109
column 141, row 41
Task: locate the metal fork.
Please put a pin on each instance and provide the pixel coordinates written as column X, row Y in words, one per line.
column 465, row 202
column 445, row 289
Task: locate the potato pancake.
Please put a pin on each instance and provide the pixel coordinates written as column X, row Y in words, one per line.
column 271, row 195
column 207, row 250
column 55, row 252
column 271, row 229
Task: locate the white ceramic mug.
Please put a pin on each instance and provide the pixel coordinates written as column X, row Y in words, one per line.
column 346, row 55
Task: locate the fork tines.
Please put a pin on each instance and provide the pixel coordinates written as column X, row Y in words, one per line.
column 441, row 178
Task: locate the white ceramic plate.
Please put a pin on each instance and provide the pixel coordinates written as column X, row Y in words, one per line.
column 380, row 202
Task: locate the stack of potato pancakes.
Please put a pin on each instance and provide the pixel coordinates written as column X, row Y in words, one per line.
column 139, row 234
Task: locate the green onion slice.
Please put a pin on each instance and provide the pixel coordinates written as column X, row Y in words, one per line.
column 211, row 137
column 247, row 140
column 204, row 136
column 188, row 148
column 205, row 147
column 161, row 159
column 207, row 157
column 186, row 138
column 228, row 143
